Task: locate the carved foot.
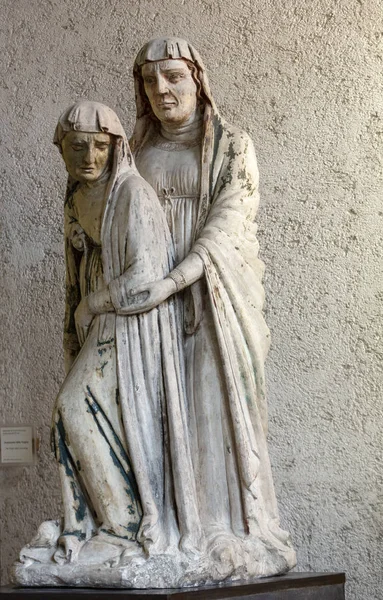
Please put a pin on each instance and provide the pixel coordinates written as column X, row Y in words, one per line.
column 69, row 547
column 192, row 546
column 115, row 550
column 226, row 552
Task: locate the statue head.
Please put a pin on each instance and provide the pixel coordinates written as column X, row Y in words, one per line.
column 171, row 82
column 171, row 90
column 87, row 135
column 87, row 156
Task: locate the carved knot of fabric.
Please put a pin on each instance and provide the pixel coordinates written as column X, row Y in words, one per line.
column 168, row 193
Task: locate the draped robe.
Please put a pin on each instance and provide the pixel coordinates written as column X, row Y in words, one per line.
column 136, row 248
column 225, row 239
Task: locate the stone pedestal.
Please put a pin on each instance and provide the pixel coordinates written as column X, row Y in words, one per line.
column 294, row 586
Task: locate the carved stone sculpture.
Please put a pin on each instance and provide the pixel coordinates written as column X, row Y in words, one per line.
column 160, row 426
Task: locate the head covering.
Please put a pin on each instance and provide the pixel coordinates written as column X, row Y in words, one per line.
column 90, row 117
column 94, row 117
column 165, row 49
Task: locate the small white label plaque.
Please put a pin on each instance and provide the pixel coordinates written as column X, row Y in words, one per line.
column 17, row 445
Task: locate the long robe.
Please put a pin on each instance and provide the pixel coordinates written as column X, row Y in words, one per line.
column 153, row 456
column 225, row 239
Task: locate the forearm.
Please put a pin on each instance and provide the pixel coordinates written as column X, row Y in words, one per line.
column 187, row 272
column 115, row 298
column 100, row 302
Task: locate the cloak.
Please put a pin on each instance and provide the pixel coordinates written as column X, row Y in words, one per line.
column 136, row 248
column 225, row 239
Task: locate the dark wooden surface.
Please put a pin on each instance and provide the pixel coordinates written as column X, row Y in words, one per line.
column 293, row 586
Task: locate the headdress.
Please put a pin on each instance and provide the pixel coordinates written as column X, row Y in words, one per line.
column 164, row 49
column 90, row 117
column 94, row 117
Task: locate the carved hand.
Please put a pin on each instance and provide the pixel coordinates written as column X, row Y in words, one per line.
column 151, row 295
column 83, row 318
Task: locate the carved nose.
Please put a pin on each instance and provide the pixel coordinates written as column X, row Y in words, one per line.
column 89, row 156
column 162, row 86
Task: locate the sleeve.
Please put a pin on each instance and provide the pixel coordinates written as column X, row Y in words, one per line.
column 230, row 229
column 144, row 242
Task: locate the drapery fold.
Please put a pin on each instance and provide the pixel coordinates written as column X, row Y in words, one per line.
column 228, row 247
column 225, row 239
column 136, row 250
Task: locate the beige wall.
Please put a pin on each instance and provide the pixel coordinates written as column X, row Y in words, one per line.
column 304, row 79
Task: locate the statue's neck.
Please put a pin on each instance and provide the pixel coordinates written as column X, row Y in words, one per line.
column 186, row 132
column 96, row 187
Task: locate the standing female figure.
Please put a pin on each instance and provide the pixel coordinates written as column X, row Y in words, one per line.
column 160, row 426
column 205, row 175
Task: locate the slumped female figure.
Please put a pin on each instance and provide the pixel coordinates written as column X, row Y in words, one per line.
column 119, row 423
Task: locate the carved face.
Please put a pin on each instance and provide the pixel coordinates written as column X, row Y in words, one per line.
column 171, row 90
column 87, row 156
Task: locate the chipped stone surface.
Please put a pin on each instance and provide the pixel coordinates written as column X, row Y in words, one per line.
column 103, row 565
column 304, row 80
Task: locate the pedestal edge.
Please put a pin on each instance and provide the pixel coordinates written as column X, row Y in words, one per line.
column 231, row 590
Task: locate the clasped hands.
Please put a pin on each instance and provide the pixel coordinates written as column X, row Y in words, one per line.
column 146, row 297
column 142, row 299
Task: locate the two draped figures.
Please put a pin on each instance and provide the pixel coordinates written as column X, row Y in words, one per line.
column 159, row 429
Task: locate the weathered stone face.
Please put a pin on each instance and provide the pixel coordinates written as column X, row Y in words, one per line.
column 171, row 90
column 87, row 156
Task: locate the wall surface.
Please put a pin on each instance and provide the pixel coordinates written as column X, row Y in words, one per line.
column 304, row 79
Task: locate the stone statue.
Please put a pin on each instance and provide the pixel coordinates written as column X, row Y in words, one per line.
column 160, row 426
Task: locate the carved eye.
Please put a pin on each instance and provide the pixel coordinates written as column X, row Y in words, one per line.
column 77, row 147
column 174, row 77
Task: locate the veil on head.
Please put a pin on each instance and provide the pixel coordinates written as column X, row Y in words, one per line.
column 164, row 49
column 94, row 117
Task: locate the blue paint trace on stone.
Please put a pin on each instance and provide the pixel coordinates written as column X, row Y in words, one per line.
column 80, row 535
column 65, row 458
column 121, row 462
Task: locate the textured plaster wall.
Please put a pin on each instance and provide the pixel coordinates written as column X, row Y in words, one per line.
column 304, row 79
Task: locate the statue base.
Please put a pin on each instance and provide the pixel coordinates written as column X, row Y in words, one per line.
column 294, row 586
column 107, row 565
